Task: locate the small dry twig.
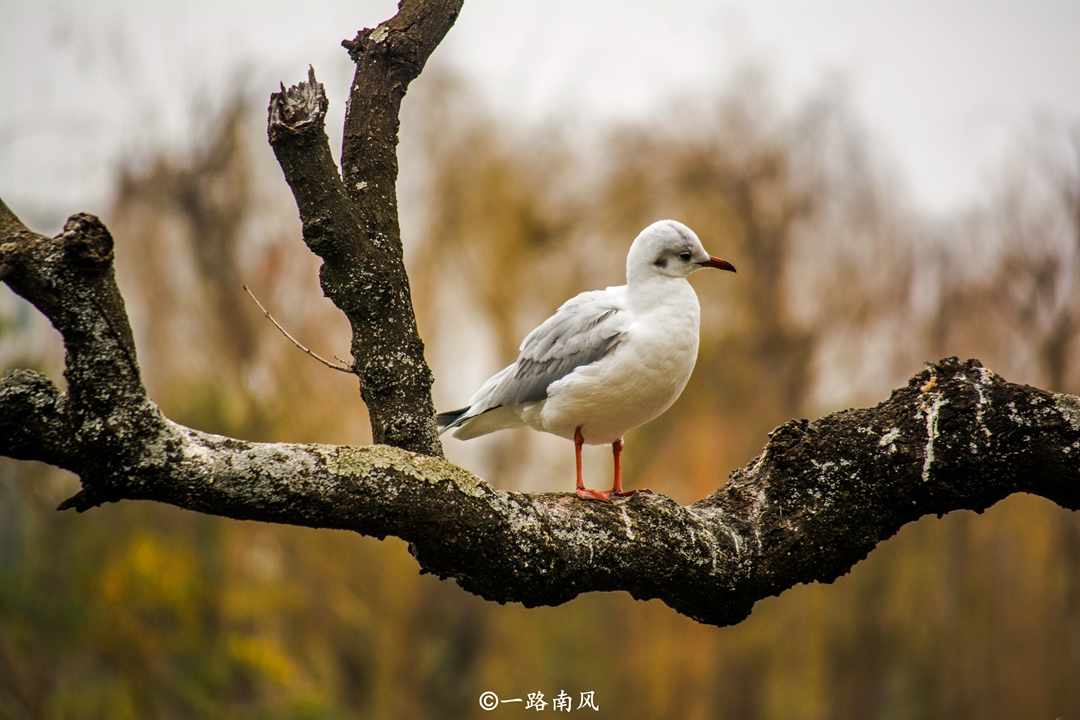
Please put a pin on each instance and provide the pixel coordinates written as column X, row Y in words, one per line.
column 324, row 361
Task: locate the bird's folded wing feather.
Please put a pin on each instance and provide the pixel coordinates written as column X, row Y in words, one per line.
column 583, row 330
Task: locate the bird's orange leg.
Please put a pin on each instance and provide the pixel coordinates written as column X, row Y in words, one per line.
column 616, row 451
column 616, row 490
column 583, row 492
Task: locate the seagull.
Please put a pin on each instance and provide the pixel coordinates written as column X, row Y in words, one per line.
column 607, row 361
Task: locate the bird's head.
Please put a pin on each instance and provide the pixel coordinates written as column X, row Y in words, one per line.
column 669, row 248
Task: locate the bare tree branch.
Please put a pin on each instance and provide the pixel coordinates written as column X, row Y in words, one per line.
column 299, row 345
column 820, row 496
column 353, row 224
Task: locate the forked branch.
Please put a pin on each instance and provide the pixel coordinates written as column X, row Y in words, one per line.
column 820, row 497
column 352, row 224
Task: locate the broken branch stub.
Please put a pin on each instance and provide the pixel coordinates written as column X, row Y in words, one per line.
column 296, row 107
column 360, row 275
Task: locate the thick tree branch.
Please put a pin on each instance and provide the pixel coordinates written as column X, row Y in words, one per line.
column 820, row 497
column 396, row 381
column 353, row 224
column 99, row 428
column 388, row 58
column 31, row 423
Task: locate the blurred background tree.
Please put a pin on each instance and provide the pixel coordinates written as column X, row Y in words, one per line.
column 843, row 289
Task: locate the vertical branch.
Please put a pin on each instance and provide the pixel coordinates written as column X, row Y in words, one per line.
column 387, row 58
column 395, row 378
column 353, row 225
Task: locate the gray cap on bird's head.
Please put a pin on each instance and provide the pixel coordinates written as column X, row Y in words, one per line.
column 668, row 249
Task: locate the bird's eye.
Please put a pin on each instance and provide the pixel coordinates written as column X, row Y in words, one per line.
column 684, row 256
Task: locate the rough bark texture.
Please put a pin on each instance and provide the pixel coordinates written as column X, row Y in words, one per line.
column 819, row 498
column 351, row 220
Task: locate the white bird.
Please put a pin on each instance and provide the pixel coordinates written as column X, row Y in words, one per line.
column 608, row 360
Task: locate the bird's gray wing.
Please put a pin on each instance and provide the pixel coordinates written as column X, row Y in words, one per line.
column 583, row 330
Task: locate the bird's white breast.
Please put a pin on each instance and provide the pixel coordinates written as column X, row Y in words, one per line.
column 637, row 381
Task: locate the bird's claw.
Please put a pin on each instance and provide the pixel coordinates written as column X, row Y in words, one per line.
column 600, row 495
column 628, row 493
column 606, row 495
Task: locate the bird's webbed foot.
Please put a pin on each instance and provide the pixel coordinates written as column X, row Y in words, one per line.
column 600, row 495
column 628, row 493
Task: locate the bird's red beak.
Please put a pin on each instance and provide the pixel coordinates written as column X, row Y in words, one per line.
column 715, row 262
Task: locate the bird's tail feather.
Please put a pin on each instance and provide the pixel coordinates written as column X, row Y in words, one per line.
column 450, row 419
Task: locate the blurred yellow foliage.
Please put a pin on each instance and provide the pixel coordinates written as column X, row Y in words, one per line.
column 266, row 658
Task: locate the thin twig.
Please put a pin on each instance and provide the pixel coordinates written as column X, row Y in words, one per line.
column 324, row 361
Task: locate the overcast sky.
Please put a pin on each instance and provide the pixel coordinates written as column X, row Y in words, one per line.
column 944, row 87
